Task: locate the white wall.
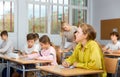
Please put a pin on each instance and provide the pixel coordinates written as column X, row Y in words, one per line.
column 104, row 9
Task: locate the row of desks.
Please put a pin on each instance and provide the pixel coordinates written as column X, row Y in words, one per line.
column 51, row 69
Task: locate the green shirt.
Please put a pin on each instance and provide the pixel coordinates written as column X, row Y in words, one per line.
column 89, row 58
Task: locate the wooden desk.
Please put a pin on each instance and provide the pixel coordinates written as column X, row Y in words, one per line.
column 112, row 55
column 68, row 71
column 26, row 61
column 22, row 63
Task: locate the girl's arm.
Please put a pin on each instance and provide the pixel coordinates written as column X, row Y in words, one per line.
column 50, row 57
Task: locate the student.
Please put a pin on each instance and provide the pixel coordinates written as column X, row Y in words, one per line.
column 114, row 45
column 48, row 51
column 30, row 47
column 6, row 47
column 67, row 37
column 87, row 54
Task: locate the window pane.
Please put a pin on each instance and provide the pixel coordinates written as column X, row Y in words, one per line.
column 84, row 3
column 36, row 0
column 60, row 16
column 79, row 16
column 54, row 25
column 66, row 2
column 1, row 15
column 60, row 13
column 65, row 14
column 7, row 16
column 55, row 1
column 79, row 2
column 43, row 21
column 30, row 17
column 60, row 1
column 36, row 20
column 43, row 0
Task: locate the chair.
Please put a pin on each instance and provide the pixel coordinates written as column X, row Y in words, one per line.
column 58, row 54
column 111, row 65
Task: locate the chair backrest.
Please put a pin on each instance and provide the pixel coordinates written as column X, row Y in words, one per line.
column 111, row 64
column 58, row 54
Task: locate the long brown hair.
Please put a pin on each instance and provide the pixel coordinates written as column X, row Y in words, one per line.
column 45, row 39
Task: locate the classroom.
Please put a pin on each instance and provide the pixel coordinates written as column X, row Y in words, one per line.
column 32, row 29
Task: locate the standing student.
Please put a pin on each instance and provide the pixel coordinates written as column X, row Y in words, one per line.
column 6, row 47
column 67, row 35
column 67, row 38
column 114, row 45
column 87, row 54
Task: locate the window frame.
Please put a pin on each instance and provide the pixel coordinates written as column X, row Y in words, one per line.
column 70, row 7
column 14, row 33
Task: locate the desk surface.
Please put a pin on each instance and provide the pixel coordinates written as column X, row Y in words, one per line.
column 24, row 61
column 68, row 71
column 114, row 55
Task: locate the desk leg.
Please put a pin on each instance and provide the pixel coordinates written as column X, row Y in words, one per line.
column 23, row 70
column 8, row 69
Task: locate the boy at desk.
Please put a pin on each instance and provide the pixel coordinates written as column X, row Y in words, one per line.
column 114, row 45
column 30, row 47
column 6, row 47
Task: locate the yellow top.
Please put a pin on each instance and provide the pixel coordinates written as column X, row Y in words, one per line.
column 89, row 58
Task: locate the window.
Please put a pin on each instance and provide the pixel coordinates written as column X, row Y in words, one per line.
column 7, row 15
column 44, row 16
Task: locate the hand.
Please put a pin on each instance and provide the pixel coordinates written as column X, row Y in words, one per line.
column 65, row 50
column 65, row 64
column 25, row 56
column 109, row 51
column 36, row 58
column 75, row 64
column 33, row 52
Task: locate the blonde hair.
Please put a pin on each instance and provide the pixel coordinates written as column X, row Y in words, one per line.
column 89, row 30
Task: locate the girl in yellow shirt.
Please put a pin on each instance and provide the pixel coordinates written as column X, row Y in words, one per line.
column 87, row 54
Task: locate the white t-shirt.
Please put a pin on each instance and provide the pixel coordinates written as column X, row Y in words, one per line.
column 6, row 47
column 27, row 50
column 112, row 46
